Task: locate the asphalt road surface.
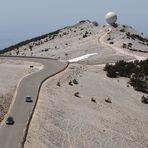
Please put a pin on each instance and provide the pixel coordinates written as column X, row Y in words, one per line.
column 11, row 136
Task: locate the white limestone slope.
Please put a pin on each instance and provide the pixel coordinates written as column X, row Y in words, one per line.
column 62, row 120
column 82, row 39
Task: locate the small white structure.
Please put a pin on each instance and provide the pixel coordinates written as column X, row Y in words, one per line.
column 108, row 30
column 111, row 18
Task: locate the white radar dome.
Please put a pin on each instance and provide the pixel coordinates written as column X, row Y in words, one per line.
column 111, row 18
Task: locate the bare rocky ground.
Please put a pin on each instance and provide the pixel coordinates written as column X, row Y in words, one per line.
column 11, row 73
column 81, row 39
column 72, row 115
column 98, row 112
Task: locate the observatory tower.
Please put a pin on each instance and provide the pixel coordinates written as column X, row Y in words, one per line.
column 111, row 18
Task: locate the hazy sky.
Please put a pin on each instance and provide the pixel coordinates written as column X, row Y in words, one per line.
column 22, row 19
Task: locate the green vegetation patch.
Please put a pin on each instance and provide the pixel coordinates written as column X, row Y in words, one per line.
column 137, row 71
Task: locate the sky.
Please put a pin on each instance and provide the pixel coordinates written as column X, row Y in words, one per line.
column 24, row 19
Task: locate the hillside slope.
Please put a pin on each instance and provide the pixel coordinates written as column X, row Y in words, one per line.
column 82, row 39
column 78, row 115
column 63, row 120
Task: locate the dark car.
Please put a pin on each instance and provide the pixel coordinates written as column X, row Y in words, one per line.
column 10, row 120
column 111, row 42
column 28, row 99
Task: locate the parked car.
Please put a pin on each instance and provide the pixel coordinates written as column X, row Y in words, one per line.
column 10, row 120
column 28, row 99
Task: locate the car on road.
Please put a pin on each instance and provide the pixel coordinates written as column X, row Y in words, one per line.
column 10, row 120
column 28, row 99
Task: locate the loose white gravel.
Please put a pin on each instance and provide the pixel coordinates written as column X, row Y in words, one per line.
column 62, row 120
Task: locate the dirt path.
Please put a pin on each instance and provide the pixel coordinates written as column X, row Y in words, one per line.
column 120, row 50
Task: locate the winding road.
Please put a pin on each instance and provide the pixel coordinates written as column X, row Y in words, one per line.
column 13, row 136
column 120, row 50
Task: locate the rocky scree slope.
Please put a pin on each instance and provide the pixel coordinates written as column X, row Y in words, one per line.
column 80, row 39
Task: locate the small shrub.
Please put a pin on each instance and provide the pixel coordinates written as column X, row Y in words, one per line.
column 77, row 94
column 83, row 21
column 70, row 83
column 95, row 23
column 46, row 40
column 65, row 33
column 144, row 99
column 111, row 42
column 31, row 66
column 30, row 47
column 75, row 81
column 46, row 50
column 130, row 45
column 86, row 32
column 128, row 37
column 66, row 54
column 108, row 39
column 58, row 84
column 17, row 52
column 124, row 45
column 122, row 30
column 93, row 100
column 85, row 35
column 108, row 100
